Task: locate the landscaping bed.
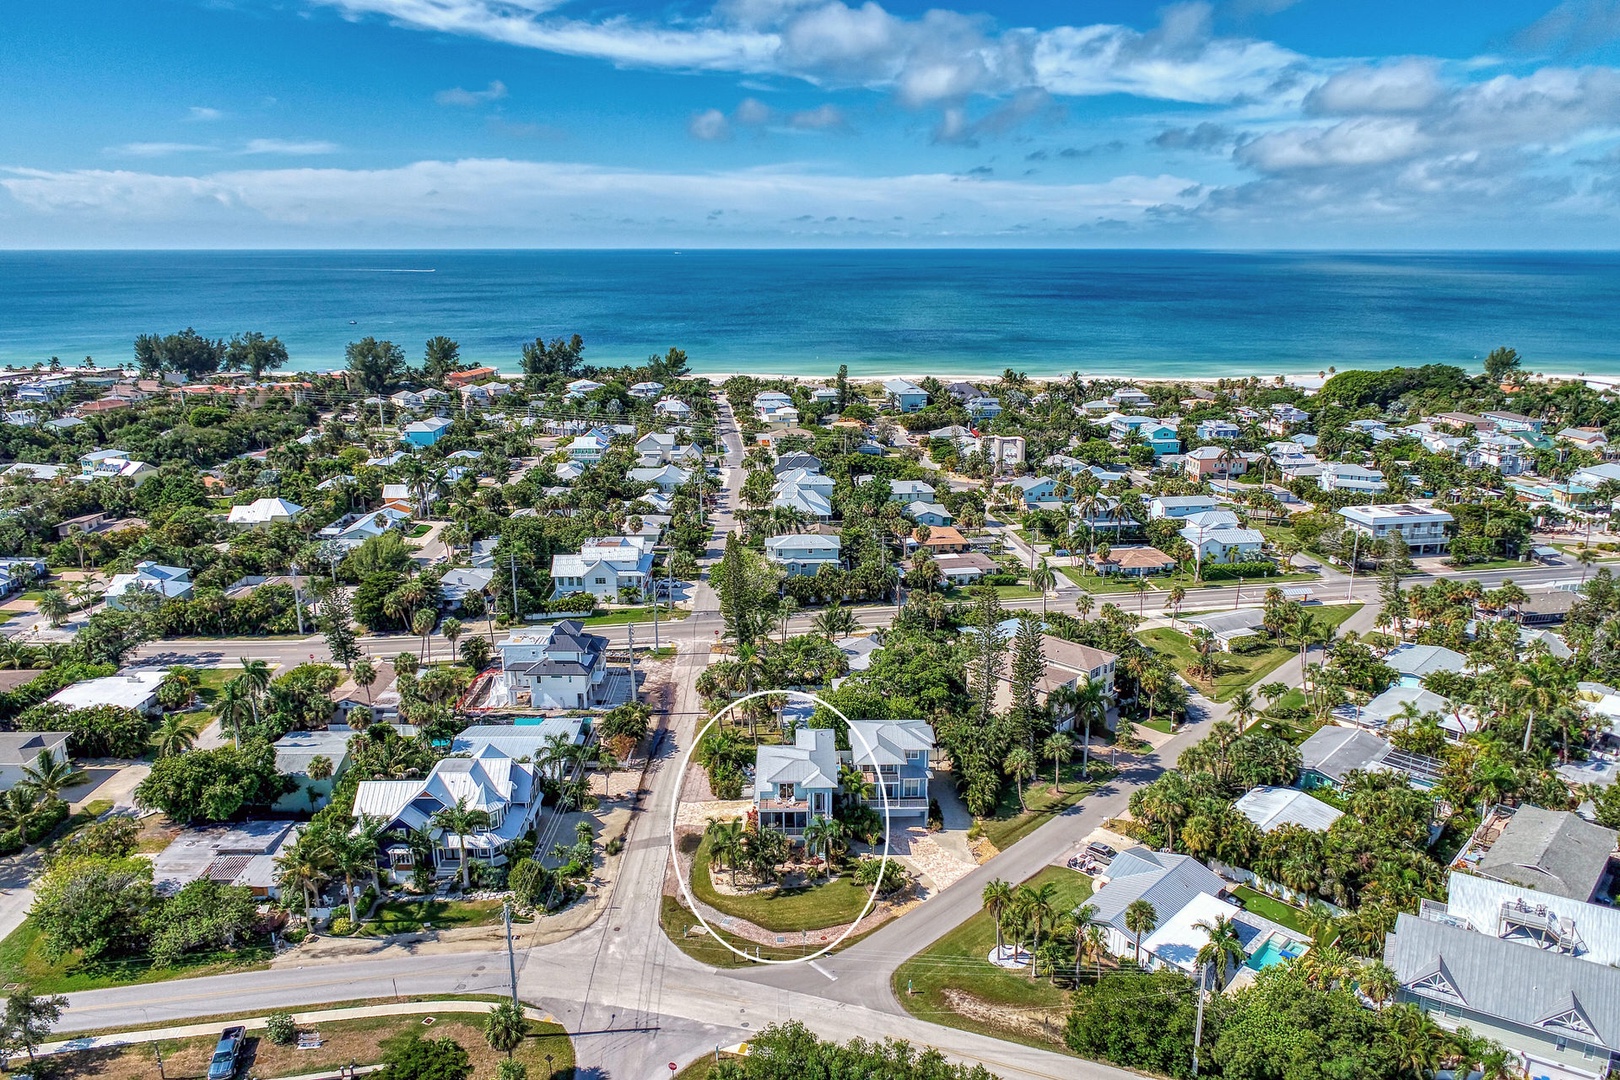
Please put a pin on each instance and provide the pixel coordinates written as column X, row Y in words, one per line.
column 1238, row 671
column 782, row 910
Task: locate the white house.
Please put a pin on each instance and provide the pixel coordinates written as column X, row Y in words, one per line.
column 646, row 391
column 674, row 408
column 588, row 448
column 352, row 530
column 1348, row 476
column 136, row 689
column 20, row 748
column 1221, row 543
column 802, row 553
column 603, row 566
column 559, row 666
column 806, row 500
column 166, row 582
column 263, row 512
column 1423, row 527
column 1180, row 506
column 1211, row 430
column 666, row 478
column 580, row 387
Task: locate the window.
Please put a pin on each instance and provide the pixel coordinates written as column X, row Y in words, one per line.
column 784, row 792
column 914, row 756
column 601, row 581
column 911, row 789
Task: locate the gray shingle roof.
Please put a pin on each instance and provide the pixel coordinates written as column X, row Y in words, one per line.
column 1546, row 992
column 1550, row 850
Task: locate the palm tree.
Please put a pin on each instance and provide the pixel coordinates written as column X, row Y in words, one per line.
column 1141, row 917
column 174, row 736
column 1081, row 924
column 302, row 865
column 49, row 774
column 725, row 844
column 461, row 820
column 1173, row 601
column 1223, row 948
column 364, row 675
column 1042, row 578
column 54, row 606
column 422, row 622
column 1242, row 707
column 20, row 808
column 256, row 676
column 1083, row 604
column 451, row 629
column 1417, row 1040
column 1059, row 747
column 1037, row 904
column 235, row 704
column 1140, row 584
column 1378, row 982
column 1090, row 704
column 1018, row 764
column 997, row 896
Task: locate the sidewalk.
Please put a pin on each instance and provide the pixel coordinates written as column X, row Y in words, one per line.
column 317, row 1016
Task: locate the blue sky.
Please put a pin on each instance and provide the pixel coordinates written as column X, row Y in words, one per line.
column 747, row 123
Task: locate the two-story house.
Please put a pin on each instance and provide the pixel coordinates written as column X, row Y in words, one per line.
column 984, row 408
column 793, row 784
column 896, row 754
column 1284, row 418
column 1349, row 476
column 1035, row 489
column 1180, row 506
column 163, row 582
column 1214, row 462
column 588, row 448
column 1211, row 430
column 425, row 432
column 603, row 566
column 113, row 465
column 1424, row 528
column 558, row 666
column 802, row 553
column 905, row 395
column 1155, row 433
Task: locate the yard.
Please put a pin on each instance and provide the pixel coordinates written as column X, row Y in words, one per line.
column 952, row 981
column 361, row 1041
column 1237, row 671
column 412, row 916
column 1011, row 824
column 636, row 615
column 1161, row 584
column 1270, row 908
column 815, row 907
column 23, row 960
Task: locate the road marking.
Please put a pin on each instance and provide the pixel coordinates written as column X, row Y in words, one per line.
column 824, row 971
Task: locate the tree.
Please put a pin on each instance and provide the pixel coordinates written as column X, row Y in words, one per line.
column 1059, row 747
column 336, row 620
column 29, row 1019
column 440, row 357
column 1141, row 917
column 54, row 606
column 1019, row 764
column 374, row 365
column 255, row 354
column 49, row 774
column 364, row 674
column 92, row 904
column 997, row 896
column 187, row 353
column 234, row 706
column 461, row 820
column 1036, row 903
column 1176, row 597
column 1502, row 364
column 505, row 1028
column 214, row 785
column 1222, row 949
column 416, row 1058
column 422, row 626
column 451, row 629
column 21, row 810
column 558, row 358
column 1044, row 579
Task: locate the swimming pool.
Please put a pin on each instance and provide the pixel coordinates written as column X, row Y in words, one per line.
column 1272, row 953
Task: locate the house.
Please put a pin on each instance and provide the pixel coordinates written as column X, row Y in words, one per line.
column 483, row 393
column 674, row 408
column 906, row 491
column 963, row 391
column 1512, row 422
column 931, row 514
column 558, row 666
column 1347, row 476
column 1292, row 459
column 263, row 512
column 529, row 740
column 243, row 855
column 1376, row 430
column 135, row 689
column 795, row 783
column 895, row 754
column 965, row 567
column 25, row 471
column 807, row 480
column 1554, row 851
column 802, row 553
column 905, row 395
column 1422, row 527
column 1392, row 708
column 1154, row 432
column 1214, row 461
column 22, row 748
column 646, row 391
column 415, row 399
column 580, row 387
column 823, row 395
column 1211, row 430
column 1504, row 457
column 1284, row 418
column 587, row 449
column 1413, row 662
column 460, row 583
column 1222, row 543
column 666, row 478
column 796, row 461
column 165, row 582
column 1128, row 397
column 983, row 408
column 425, row 432
column 488, row 780
column 940, row 540
column 470, row 376
column 603, row 566
column 1560, row 1014
column 1332, row 753
column 1468, row 422
column 1273, row 807
column 805, row 500
column 1585, row 439
column 113, row 465
column 1529, row 918
column 1180, row 506
column 1134, row 561
column 1003, row 449
column 296, row 753
column 381, row 699
column 1034, row 489
column 655, row 448
column 1068, row 664
column 352, row 530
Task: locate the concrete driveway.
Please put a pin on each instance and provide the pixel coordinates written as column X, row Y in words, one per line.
column 114, row 781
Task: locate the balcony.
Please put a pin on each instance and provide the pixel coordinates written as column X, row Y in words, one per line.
column 784, row 804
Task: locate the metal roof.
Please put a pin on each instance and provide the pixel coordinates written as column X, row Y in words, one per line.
column 1273, row 807
column 1480, row 901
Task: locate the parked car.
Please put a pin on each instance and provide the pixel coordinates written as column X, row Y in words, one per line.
column 1098, row 850
column 227, row 1052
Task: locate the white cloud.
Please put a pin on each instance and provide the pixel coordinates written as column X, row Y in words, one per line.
column 495, row 91
column 820, row 118
column 1352, row 144
column 710, row 125
column 156, row 149
column 752, row 112
column 292, row 147
column 203, row 112
column 525, row 201
column 1403, row 86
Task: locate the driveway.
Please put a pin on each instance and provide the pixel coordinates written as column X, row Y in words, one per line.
column 114, row 781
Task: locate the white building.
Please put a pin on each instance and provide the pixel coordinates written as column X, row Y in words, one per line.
column 263, row 512
column 603, row 566
column 802, row 553
column 166, row 582
column 1347, row 476
column 559, row 666
column 20, row 748
column 1424, row 528
column 135, row 690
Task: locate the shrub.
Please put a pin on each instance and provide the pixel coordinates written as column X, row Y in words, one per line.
column 894, row 878
column 341, row 926
column 614, row 846
column 280, row 1029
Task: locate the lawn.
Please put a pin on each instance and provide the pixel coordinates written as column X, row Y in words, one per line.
column 361, row 1041
column 635, row 615
column 1160, row 584
column 958, row 964
column 832, row 903
column 23, row 960
column 410, row 916
column 1011, row 824
column 702, row 947
column 1270, row 908
column 1237, row 671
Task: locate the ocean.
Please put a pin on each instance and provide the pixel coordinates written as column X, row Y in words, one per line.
column 1142, row 314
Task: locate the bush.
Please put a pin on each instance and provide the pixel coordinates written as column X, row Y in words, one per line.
column 1233, row 571
column 1246, row 646
column 614, row 846
column 894, row 878
column 341, row 926
column 280, row 1029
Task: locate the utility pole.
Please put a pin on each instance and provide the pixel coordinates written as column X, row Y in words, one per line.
column 655, row 612
column 1198, row 1028
column 1355, row 548
column 631, row 628
column 298, row 604
column 511, row 961
column 513, row 561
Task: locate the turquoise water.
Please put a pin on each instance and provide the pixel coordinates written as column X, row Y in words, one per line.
column 1271, row 953
column 1136, row 313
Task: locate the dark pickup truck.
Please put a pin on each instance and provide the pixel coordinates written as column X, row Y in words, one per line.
column 226, row 1053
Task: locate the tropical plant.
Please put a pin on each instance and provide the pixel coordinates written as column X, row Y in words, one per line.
column 461, row 820
column 1141, row 917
